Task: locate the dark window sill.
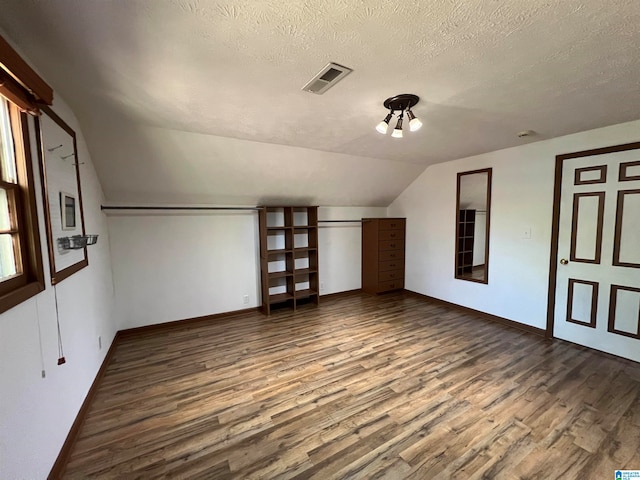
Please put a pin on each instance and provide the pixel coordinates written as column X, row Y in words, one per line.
column 20, row 295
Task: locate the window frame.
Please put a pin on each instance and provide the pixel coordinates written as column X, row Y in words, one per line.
column 25, row 92
column 30, row 281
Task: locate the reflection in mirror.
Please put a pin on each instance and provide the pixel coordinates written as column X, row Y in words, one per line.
column 473, row 206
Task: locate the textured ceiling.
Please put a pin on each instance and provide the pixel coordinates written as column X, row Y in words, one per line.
column 484, row 69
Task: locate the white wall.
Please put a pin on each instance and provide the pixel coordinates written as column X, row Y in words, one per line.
column 175, row 266
column 36, row 413
column 479, row 235
column 522, row 197
column 340, row 247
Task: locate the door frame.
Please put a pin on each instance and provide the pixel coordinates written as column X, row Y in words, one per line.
column 555, row 229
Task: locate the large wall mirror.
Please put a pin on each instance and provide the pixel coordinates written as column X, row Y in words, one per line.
column 473, row 207
column 61, row 194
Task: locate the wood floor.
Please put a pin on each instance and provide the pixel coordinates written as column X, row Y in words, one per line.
column 362, row 387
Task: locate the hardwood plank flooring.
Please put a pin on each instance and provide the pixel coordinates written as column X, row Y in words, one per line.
column 362, row 387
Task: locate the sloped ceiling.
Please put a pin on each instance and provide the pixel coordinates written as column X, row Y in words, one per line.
column 190, row 101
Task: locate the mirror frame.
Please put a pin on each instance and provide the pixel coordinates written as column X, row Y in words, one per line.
column 484, row 280
column 57, row 274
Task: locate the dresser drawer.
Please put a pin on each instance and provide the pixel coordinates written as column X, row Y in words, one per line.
column 391, row 235
column 391, row 245
column 390, row 285
column 391, row 275
column 390, row 265
column 391, row 255
column 391, row 223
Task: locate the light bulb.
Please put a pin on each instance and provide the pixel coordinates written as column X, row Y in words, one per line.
column 384, row 124
column 414, row 123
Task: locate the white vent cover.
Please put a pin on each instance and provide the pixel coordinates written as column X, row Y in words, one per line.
column 326, row 78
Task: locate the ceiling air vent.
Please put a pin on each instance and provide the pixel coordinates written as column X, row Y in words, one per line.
column 326, row 78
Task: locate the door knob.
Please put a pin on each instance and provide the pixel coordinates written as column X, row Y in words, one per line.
column 564, row 261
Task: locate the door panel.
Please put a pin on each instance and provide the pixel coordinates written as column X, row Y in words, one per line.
column 624, row 311
column 627, row 233
column 582, row 302
column 586, row 227
column 597, row 297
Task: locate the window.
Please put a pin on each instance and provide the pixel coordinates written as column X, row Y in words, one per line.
column 20, row 259
column 21, row 272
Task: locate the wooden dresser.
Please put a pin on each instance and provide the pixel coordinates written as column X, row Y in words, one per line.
column 382, row 254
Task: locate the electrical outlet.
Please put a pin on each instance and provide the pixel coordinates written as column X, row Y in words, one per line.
column 321, row 287
column 526, row 233
column 44, row 374
column 99, row 343
column 245, row 299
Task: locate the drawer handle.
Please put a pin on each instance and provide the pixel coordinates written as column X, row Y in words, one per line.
column 392, row 235
column 393, row 255
column 392, row 264
column 392, row 285
column 392, row 224
column 393, row 275
column 392, row 244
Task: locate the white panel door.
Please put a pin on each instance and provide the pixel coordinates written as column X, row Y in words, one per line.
column 598, row 277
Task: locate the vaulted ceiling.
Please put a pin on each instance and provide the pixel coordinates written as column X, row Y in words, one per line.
column 194, row 101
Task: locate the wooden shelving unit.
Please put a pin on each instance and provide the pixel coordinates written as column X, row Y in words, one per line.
column 288, row 256
column 466, row 229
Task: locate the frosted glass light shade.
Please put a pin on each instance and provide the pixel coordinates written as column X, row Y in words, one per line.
column 384, row 124
column 414, row 123
column 397, row 133
column 382, row 127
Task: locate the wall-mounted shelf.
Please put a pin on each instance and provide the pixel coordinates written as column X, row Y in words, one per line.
column 77, row 242
column 288, row 256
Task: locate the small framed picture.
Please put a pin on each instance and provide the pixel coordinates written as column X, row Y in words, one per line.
column 68, row 211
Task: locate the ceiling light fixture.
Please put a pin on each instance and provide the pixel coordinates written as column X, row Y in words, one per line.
column 400, row 103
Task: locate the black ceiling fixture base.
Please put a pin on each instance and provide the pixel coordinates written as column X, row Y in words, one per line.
column 401, row 102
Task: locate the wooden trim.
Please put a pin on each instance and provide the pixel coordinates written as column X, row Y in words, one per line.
column 21, row 72
column 19, row 295
column 11, row 90
column 34, row 247
column 485, row 315
column 58, row 276
column 456, row 265
column 622, row 174
column 337, row 295
column 158, row 327
column 612, row 312
column 617, row 238
column 553, row 256
column 63, row 456
column 574, row 227
column 555, row 227
column 594, row 302
column 578, row 171
column 599, row 151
